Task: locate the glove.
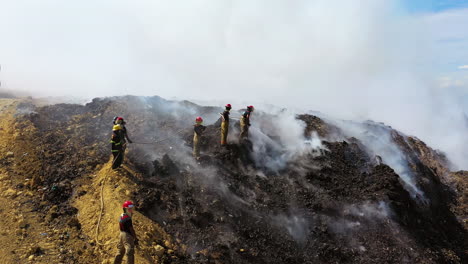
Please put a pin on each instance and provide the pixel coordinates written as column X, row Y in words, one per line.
column 129, row 141
column 136, row 242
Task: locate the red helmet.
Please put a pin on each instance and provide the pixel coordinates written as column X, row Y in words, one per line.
column 199, row 119
column 128, row 204
column 228, row 106
column 250, row 107
column 119, row 120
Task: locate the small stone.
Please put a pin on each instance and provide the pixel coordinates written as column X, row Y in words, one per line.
column 159, row 250
column 147, row 235
column 10, row 193
column 31, row 257
column 167, row 243
column 10, row 154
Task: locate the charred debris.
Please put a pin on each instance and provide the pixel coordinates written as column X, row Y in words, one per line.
column 334, row 202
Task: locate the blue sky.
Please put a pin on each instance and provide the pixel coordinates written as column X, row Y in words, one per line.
column 446, row 21
column 434, row 5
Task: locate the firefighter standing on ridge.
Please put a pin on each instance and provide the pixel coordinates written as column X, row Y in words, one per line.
column 198, row 129
column 245, row 122
column 119, row 141
column 128, row 239
column 225, row 124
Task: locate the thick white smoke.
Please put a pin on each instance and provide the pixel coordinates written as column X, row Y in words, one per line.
column 352, row 59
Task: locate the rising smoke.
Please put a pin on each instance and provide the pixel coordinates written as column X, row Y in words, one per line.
column 356, row 60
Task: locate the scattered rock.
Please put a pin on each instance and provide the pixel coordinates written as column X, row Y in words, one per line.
column 167, row 244
column 159, row 250
column 10, row 193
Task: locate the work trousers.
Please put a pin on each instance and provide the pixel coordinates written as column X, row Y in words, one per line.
column 224, row 132
column 244, row 129
column 126, row 247
column 196, row 145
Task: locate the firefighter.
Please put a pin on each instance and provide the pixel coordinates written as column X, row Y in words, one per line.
column 120, row 121
column 225, row 124
column 119, row 142
column 128, row 239
column 198, row 129
column 245, row 122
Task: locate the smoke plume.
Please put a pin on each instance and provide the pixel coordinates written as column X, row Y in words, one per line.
column 366, row 60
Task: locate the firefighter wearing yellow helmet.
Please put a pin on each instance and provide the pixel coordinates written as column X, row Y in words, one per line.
column 225, row 124
column 119, row 141
column 198, row 129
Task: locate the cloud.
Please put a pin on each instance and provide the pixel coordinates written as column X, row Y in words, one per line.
column 463, row 67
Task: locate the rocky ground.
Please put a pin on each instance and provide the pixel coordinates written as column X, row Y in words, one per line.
column 335, row 201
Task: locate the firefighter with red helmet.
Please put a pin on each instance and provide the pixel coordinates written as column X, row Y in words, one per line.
column 128, row 239
column 198, row 129
column 225, row 124
column 245, row 122
column 119, row 141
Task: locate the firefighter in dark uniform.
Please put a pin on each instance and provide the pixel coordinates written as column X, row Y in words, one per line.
column 245, row 122
column 198, row 129
column 225, row 124
column 119, row 142
column 128, row 239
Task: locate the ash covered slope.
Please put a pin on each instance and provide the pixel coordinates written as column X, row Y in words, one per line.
column 305, row 189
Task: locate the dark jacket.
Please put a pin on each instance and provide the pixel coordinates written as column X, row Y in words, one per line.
column 225, row 115
column 199, row 129
column 246, row 117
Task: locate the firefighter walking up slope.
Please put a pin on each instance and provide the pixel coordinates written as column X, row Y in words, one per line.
column 198, row 129
column 245, row 123
column 225, row 124
column 128, row 239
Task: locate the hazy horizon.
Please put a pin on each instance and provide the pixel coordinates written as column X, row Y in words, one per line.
column 374, row 60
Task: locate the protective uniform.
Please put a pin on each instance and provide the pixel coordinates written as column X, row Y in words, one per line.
column 119, row 142
column 117, row 146
column 225, row 124
column 127, row 239
column 198, row 129
column 245, row 122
